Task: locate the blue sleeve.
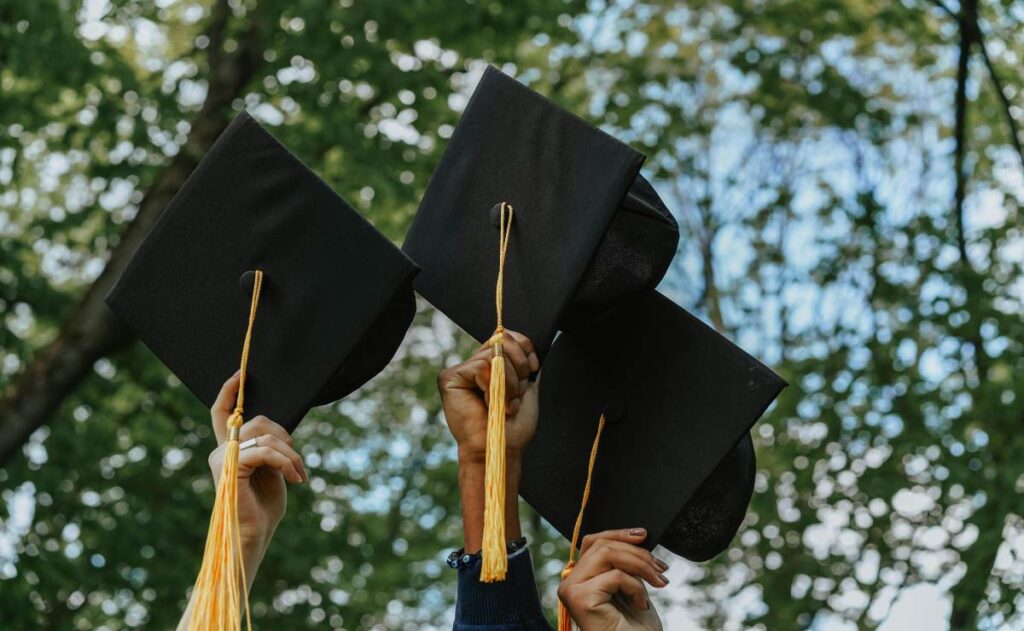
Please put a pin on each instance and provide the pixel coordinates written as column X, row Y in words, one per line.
column 509, row 605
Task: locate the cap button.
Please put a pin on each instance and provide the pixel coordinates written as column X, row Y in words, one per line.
column 496, row 215
column 246, row 282
column 614, row 411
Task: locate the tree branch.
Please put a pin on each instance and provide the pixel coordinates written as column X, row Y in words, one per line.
column 1005, row 100
column 960, row 129
column 945, row 8
column 91, row 331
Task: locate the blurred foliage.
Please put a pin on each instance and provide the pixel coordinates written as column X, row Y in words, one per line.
column 805, row 147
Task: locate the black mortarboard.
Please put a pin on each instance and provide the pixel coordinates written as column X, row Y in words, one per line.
column 675, row 455
column 336, row 296
column 587, row 229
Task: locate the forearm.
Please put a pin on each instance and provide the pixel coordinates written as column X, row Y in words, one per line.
column 471, row 487
column 252, row 556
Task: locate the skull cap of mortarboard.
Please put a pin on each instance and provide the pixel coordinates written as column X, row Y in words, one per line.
column 587, row 229
column 678, row 401
column 336, row 295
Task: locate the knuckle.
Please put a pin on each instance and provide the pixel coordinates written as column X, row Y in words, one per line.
column 565, row 592
column 444, row 377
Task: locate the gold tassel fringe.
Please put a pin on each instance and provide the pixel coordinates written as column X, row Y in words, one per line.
column 221, row 593
column 494, row 558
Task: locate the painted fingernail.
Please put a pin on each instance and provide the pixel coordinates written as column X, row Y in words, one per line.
column 661, row 564
column 636, row 532
column 662, row 577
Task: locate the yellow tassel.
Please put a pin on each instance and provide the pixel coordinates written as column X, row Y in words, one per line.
column 564, row 621
column 494, row 558
column 221, row 593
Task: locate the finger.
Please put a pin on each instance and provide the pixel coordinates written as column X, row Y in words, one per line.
column 482, row 380
column 464, row 376
column 223, row 406
column 517, row 357
column 513, row 350
column 511, row 381
column 615, row 555
column 266, row 456
column 608, row 584
column 260, row 425
column 482, row 374
column 634, row 536
column 216, row 461
column 275, row 443
column 533, row 361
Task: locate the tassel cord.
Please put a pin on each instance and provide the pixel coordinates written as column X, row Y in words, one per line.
column 564, row 621
column 494, row 557
column 220, row 594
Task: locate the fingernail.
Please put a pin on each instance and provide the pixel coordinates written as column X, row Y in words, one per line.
column 661, row 564
column 662, row 577
column 649, row 605
column 636, row 532
column 237, row 372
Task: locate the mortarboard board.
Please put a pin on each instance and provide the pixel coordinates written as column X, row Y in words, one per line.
column 674, row 455
column 537, row 220
column 336, row 298
column 255, row 236
column 587, row 228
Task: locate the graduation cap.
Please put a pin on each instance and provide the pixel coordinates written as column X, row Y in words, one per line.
column 256, row 257
column 554, row 210
column 588, row 229
column 336, row 295
column 644, row 421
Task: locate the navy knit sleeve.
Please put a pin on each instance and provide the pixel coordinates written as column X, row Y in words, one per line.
column 509, row 605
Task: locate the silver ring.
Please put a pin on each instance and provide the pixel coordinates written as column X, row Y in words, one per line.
column 252, row 442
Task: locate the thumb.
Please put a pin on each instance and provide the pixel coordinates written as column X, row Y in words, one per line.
column 224, row 406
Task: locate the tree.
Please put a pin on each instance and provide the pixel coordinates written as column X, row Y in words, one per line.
column 847, row 175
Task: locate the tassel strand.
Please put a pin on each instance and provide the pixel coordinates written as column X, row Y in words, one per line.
column 494, row 558
column 221, row 590
column 564, row 621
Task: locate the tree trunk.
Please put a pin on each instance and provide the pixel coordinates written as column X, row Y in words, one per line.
column 91, row 331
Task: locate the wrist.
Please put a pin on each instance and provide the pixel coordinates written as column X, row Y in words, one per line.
column 472, row 475
column 254, row 547
column 470, row 456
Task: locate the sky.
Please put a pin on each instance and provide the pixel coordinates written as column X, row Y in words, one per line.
column 921, row 606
